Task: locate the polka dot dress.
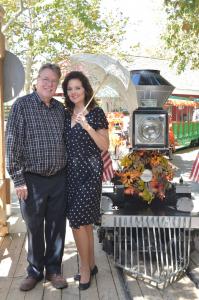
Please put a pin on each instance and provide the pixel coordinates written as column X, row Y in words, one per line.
column 84, row 170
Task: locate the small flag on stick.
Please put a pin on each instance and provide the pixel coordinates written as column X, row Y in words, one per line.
column 108, row 172
column 194, row 176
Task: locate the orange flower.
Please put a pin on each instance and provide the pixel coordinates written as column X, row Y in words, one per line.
column 128, row 177
column 154, row 183
column 129, row 191
column 155, row 161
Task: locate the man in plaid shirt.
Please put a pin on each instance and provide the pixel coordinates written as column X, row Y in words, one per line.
column 36, row 160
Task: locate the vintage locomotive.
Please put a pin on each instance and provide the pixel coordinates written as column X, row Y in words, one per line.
column 151, row 242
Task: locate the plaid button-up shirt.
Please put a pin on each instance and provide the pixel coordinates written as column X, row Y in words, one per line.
column 35, row 138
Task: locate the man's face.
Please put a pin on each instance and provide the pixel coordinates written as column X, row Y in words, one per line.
column 47, row 83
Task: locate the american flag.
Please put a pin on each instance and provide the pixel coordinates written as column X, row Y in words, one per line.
column 108, row 172
column 194, row 176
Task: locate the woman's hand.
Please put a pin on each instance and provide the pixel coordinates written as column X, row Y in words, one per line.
column 100, row 136
column 80, row 118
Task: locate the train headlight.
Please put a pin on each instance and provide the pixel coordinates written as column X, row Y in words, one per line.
column 150, row 128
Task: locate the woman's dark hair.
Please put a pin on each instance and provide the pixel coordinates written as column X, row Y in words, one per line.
column 86, row 85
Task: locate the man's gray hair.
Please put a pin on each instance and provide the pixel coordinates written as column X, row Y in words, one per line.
column 53, row 67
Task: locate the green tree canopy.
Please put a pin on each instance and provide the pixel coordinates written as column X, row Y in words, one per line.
column 52, row 30
column 183, row 33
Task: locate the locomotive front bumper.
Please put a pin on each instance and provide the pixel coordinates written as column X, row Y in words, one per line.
column 150, row 244
column 167, row 218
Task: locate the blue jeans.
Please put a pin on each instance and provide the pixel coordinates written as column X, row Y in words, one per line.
column 44, row 212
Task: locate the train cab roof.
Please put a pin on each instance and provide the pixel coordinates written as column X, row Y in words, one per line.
column 182, row 101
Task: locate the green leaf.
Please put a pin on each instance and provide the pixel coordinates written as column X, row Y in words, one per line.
column 54, row 29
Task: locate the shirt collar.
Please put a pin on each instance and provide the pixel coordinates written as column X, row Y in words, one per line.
column 52, row 101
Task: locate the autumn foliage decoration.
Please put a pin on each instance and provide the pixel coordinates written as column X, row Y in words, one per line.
column 133, row 167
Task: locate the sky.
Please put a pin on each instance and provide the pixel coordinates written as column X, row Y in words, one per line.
column 146, row 19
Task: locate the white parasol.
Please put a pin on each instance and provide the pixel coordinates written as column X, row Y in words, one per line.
column 105, row 72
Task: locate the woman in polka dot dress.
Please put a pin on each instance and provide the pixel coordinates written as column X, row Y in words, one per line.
column 86, row 137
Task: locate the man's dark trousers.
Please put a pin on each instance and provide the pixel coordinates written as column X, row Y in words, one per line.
column 44, row 212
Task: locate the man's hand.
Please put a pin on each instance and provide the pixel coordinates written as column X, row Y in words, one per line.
column 22, row 192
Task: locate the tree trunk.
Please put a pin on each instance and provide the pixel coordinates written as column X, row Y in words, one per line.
column 28, row 72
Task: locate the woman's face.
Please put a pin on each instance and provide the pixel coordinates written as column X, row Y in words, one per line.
column 75, row 91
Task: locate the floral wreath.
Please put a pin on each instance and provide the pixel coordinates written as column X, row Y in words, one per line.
column 146, row 174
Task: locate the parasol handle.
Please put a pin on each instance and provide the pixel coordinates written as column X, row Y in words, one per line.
column 95, row 92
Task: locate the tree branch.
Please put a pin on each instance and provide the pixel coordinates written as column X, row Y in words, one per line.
column 18, row 13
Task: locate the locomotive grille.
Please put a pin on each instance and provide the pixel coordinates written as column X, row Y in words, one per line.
column 155, row 248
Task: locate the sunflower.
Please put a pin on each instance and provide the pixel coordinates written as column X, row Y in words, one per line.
column 128, row 177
